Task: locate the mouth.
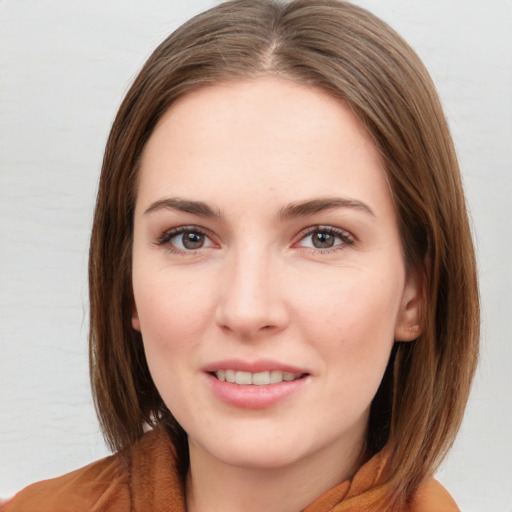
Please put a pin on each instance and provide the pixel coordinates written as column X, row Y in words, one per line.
column 259, row 384
column 264, row 378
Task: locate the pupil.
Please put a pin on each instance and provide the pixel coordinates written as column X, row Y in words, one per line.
column 193, row 240
column 322, row 240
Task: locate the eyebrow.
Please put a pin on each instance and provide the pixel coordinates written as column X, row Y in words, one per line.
column 313, row 206
column 292, row 210
column 175, row 203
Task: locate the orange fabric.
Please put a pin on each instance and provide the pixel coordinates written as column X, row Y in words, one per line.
column 144, row 479
column 364, row 491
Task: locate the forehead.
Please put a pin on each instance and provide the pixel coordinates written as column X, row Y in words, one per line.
column 265, row 135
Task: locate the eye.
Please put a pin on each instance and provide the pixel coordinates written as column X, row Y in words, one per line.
column 185, row 239
column 325, row 238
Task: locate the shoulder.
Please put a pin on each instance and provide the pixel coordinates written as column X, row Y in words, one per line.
column 431, row 496
column 143, row 477
column 97, row 486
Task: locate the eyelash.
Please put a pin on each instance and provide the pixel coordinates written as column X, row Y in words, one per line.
column 345, row 237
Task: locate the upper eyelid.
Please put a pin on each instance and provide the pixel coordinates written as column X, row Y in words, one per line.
column 311, row 229
column 323, row 227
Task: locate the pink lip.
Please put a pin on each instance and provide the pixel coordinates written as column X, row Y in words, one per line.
column 260, row 365
column 250, row 396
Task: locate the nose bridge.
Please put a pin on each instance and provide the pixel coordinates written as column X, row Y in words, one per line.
column 251, row 300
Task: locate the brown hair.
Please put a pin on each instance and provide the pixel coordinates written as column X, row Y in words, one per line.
column 349, row 52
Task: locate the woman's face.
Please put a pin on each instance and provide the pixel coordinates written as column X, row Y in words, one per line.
column 266, row 252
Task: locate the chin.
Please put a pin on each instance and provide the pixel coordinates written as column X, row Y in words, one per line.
column 253, row 457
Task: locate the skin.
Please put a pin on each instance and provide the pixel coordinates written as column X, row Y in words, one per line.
column 259, row 287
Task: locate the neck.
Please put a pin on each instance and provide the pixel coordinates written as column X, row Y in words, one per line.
column 214, row 485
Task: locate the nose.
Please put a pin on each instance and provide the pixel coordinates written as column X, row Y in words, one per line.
column 252, row 303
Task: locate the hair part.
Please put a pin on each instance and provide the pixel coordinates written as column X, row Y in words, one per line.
column 347, row 51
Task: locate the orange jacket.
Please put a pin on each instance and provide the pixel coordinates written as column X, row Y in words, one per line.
column 143, row 479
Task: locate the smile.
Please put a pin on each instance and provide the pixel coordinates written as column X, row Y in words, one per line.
column 257, row 379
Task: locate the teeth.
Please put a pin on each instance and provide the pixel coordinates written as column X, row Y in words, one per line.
column 261, row 378
column 256, row 379
column 243, row 378
column 276, row 376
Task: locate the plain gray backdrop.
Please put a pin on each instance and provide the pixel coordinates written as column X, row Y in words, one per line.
column 64, row 68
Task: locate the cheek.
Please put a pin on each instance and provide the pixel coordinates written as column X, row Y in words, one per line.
column 172, row 311
column 351, row 323
column 351, row 309
column 174, row 314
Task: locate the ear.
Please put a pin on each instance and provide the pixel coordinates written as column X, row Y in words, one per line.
column 135, row 318
column 408, row 323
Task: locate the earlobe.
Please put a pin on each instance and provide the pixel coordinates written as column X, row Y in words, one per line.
column 408, row 324
column 135, row 319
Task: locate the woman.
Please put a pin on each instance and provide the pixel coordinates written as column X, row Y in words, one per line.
column 282, row 279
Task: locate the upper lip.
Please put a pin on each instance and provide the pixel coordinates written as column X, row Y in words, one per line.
column 259, row 365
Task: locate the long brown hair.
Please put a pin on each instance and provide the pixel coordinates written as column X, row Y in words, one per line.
column 347, row 51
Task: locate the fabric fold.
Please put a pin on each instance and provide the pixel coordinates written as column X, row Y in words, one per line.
column 145, row 478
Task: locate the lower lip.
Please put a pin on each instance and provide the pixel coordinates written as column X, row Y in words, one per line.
column 254, row 397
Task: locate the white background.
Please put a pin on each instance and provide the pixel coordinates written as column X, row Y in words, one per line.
column 64, row 67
